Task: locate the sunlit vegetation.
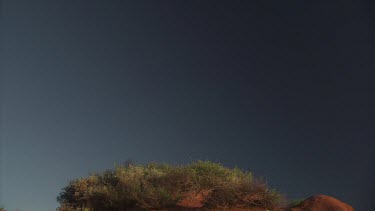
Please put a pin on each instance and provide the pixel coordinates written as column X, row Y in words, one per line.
column 162, row 186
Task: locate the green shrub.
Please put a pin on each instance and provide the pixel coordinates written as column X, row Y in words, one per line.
column 157, row 186
column 295, row 203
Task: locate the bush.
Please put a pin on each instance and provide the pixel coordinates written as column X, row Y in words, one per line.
column 295, row 203
column 157, row 186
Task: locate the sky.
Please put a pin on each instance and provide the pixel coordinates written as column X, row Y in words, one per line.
column 284, row 89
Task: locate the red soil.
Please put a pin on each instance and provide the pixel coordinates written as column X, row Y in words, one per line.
column 193, row 200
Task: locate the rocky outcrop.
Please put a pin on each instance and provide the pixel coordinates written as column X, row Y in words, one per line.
column 322, row 203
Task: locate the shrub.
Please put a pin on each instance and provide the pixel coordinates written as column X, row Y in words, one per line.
column 295, row 203
column 157, row 186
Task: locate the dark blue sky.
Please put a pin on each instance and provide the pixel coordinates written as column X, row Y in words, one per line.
column 282, row 88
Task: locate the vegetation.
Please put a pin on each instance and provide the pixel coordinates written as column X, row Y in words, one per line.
column 295, row 203
column 162, row 186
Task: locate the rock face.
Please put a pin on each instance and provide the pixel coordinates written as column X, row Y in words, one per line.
column 322, row 203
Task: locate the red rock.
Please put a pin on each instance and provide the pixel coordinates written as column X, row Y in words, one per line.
column 322, row 203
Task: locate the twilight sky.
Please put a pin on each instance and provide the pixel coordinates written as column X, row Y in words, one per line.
column 282, row 88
